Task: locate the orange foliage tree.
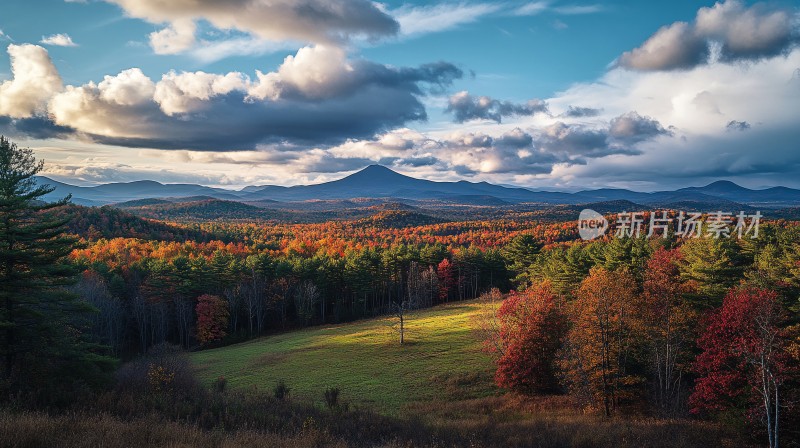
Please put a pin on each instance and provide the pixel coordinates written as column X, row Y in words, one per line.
column 595, row 356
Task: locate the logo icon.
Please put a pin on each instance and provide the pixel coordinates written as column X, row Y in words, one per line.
column 591, row 224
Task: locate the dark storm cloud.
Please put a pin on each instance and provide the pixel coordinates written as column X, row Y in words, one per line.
column 466, row 107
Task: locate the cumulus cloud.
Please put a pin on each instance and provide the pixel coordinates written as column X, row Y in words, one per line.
column 747, row 33
column 676, row 46
column 190, row 92
column 324, row 72
column 696, row 107
column 313, row 21
column 129, row 88
column 577, row 141
column 466, row 107
column 35, row 79
column 59, row 40
column 742, row 33
column 315, row 97
column 634, row 128
column 176, row 38
column 511, row 152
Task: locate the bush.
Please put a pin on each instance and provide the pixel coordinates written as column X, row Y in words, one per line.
column 332, row 397
column 164, row 369
column 220, row 384
column 281, row 390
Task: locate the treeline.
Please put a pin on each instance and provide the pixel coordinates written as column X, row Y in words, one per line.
column 276, row 277
column 147, row 292
column 703, row 326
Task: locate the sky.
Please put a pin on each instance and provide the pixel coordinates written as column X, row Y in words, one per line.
column 556, row 95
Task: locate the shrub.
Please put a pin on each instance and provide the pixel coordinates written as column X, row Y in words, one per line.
column 332, row 397
column 281, row 390
column 164, row 369
column 220, row 384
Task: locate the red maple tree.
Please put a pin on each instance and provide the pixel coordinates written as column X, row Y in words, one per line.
column 212, row 318
column 744, row 361
column 531, row 327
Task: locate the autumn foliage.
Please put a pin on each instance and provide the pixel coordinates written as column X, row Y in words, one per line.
column 596, row 356
column 532, row 324
column 665, row 324
column 212, row 318
column 744, row 358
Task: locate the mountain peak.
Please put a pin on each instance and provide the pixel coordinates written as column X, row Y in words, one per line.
column 375, row 172
column 724, row 185
column 376, row 169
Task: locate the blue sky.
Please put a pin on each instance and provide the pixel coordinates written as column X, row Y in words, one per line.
column 513, row 57
column 553, row 94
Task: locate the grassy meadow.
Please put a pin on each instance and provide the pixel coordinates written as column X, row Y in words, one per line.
column 440, row 360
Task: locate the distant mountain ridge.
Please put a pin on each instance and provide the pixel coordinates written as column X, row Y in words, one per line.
column 377, row 181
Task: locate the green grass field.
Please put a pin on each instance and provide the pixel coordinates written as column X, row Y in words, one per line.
column 441, row 360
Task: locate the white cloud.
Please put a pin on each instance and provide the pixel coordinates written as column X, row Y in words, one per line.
column 315, row 72
column 579, row 9
column 440, row 17
column 317, row 96
column 59, row 40
column 190, row 92
column 35, row 80
column 532, row 8
column 129, row 88
column 176, row 38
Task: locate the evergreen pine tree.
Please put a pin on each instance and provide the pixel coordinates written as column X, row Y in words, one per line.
column 40, row 326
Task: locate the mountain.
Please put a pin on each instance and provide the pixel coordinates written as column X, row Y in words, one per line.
column 129, row 191
column 777, row 197
column 376, row 183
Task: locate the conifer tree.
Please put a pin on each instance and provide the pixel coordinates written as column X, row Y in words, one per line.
column 40, row 329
